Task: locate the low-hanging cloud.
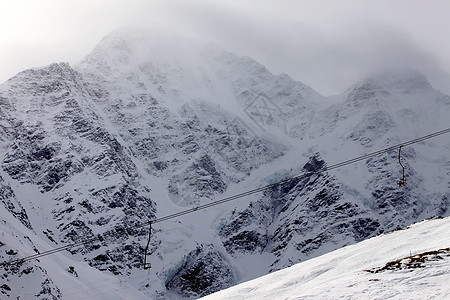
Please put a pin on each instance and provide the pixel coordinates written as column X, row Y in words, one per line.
column 330, row 57
column 328, row 45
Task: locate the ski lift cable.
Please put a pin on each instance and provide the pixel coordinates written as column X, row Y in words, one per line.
column 101, row 237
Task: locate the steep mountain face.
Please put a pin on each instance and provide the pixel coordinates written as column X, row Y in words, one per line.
column 70, row 173
column 310, row 216
column 158, row 108
column 149, row 124
column 84, row 156
column 303, row 218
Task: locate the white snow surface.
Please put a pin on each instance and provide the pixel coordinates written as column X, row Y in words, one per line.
column 341, row 274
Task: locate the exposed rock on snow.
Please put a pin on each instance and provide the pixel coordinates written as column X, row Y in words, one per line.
column 202, row 272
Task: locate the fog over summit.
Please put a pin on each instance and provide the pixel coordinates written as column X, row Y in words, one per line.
column 324, row 44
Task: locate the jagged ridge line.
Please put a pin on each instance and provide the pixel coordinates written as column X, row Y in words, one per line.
column 101, row 237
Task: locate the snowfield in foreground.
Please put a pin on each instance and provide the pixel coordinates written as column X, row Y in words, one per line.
column 403, row 264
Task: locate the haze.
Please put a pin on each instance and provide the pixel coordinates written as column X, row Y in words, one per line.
column 328, row 45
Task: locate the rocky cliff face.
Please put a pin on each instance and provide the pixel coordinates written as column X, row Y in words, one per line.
column 311, row 215
column 137, row 131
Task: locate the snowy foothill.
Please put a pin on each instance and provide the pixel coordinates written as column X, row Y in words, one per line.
column 343, row 273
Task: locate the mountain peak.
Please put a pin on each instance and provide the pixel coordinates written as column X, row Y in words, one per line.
column 131, row 47
column 396, row 81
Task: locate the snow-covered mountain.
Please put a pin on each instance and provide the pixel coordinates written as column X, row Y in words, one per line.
column 406, row 264
column 152, row 123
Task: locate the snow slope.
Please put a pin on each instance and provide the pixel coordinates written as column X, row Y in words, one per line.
column 342, row 273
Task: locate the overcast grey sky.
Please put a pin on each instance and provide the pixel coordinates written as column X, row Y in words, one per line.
column 327, row 44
